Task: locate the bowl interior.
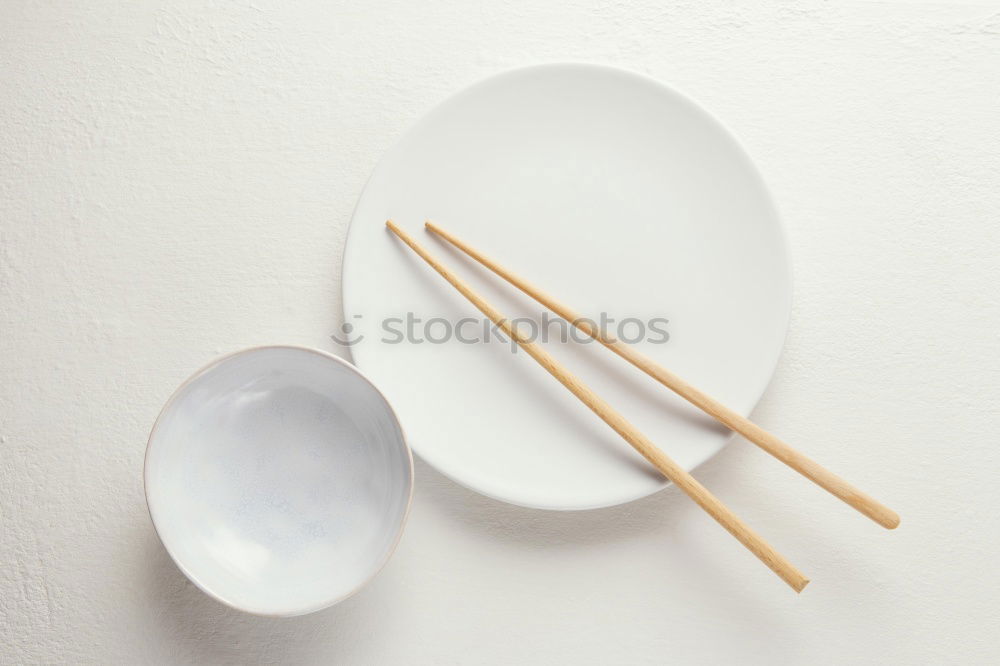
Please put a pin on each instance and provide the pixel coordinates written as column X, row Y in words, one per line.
column 278, row 479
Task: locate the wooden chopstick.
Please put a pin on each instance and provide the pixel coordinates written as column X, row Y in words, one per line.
column 801, row 463
column 670, row 469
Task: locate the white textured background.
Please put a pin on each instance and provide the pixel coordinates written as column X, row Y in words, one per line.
column 177, row 182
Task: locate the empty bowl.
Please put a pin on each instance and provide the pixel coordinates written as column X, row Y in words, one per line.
column 278, row 479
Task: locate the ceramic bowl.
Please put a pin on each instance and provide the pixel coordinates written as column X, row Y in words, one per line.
column 278, row 479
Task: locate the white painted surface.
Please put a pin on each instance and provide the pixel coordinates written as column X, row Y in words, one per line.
column 175, row 183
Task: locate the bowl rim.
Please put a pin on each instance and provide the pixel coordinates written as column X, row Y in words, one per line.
column 326, row 603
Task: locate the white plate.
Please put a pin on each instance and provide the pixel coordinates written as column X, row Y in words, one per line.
column 614, row 193
column 278, row 480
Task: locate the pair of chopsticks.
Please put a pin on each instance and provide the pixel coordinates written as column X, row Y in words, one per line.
column 671, row 470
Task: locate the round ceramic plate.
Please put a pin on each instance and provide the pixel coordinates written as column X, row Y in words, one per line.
column 620, row 197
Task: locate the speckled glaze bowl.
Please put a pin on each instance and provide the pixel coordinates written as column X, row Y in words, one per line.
column 278, row 479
